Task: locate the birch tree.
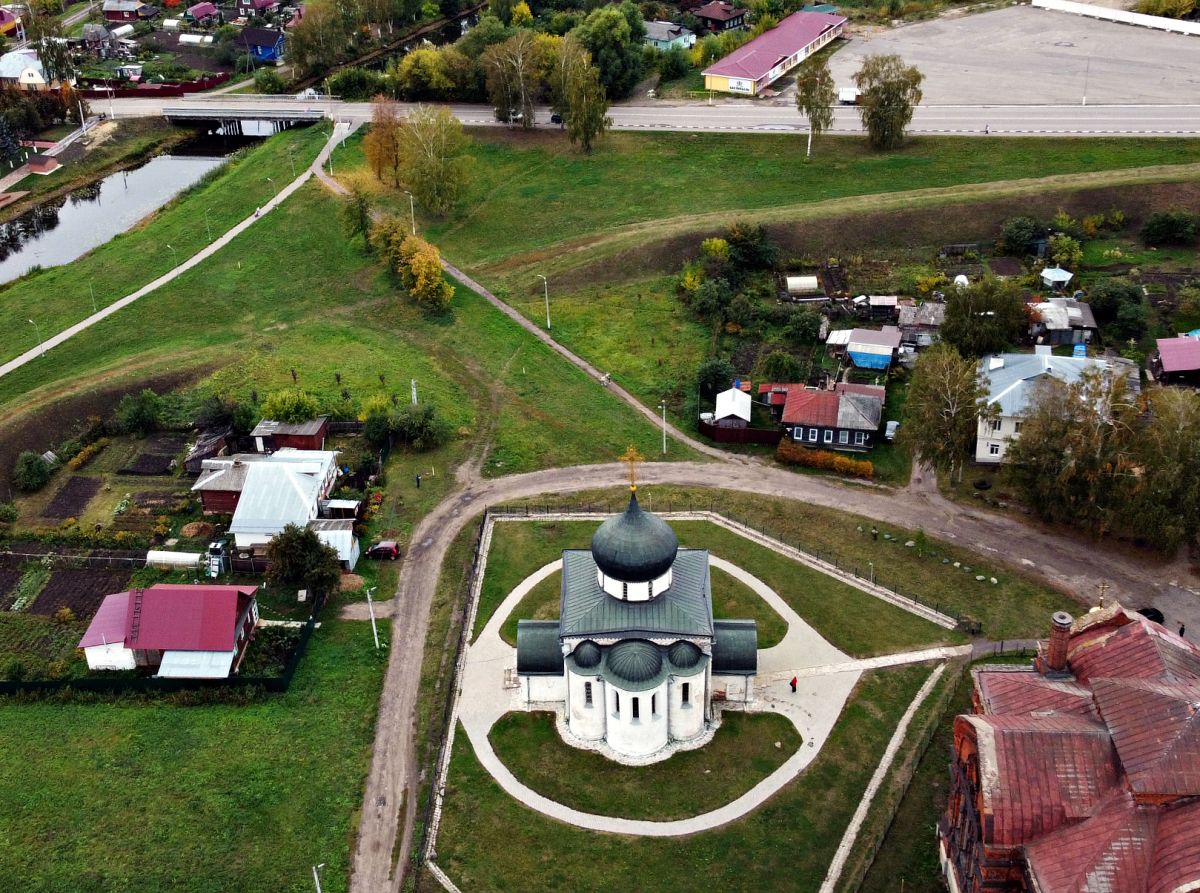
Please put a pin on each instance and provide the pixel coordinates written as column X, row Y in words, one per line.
column 815, row 96
column 513, row 78
column 944, row 402
column 433, row 159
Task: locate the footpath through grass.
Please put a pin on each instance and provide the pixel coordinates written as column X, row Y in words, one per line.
column 1017, row 606
column 292, row 293
column 487, row 841
column 689, row 783
column 559, row 194
column 848, row 618
column 59, row 296
column 124, row 795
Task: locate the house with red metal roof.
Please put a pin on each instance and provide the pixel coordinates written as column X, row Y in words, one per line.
column 846, row 418
column 177, row 631
column 1178, row 360
column 754, row 66
column 1080, row 774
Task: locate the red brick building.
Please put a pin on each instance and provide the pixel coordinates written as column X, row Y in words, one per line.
column 1081, row 774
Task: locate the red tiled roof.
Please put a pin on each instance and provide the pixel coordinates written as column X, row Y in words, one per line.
column 1124, row 848
column 1111, row 851
column 1004, row 691
column 185, row 618
column 755, row 59
column 1136, row 648
column 805, row 407
column 1156, row 729
column 1041, row 772
column 1180, row 354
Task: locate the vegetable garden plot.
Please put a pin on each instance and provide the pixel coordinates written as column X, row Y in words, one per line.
column 81, row 590
column 74, row 496
column 8, row 582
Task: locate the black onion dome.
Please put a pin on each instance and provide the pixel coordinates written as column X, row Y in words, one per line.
column 635, row 546
column 635, row 661
column 586, row 654
column 684, row 655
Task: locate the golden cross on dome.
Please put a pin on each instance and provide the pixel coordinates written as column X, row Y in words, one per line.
column 632, row 457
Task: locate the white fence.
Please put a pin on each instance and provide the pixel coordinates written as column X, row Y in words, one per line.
column 1159, row 23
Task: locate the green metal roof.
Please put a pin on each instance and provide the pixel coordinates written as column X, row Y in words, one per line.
column 635, row 664
column 684, row 655
column 685, row 609
column 735, row 647
column 539, row 651
column 634, row 546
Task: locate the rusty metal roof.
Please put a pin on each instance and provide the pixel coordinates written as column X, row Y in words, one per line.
column 1017, row 691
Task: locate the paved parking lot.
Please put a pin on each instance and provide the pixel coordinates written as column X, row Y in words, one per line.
column 1022, row 55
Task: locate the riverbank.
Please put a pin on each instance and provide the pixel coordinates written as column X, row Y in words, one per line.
column 107, row 148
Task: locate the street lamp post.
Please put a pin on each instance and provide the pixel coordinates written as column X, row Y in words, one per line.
column 292, row 160
column 273, row 186
column 412, row 210
column 663, row 407
column 208, row 223
column 316, row 878
column 546, row 292
column 174, row 253
column 371, row 609
column 38, row 332
column 92, row 289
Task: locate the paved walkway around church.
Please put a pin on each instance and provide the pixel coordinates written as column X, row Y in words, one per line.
column 826, row 677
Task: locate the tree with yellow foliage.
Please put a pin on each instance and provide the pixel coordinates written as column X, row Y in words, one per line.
column 421, row 272
column 522, row 15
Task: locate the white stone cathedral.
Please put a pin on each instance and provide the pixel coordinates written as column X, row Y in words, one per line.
column 635, row 657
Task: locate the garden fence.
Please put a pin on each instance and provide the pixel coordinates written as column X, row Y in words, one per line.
column 429, row 808
column 878, row 574
column 769, row 436
column 145, row 685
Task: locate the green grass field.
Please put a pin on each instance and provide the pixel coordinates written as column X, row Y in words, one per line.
column 317, row 304
column 851, row 620
column 741, row 754
column 487, row 841
column 559, row 194
column 59, row 296
column 114, row 796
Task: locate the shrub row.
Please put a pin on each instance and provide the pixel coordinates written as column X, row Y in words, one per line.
column 87, row 454
column 791, row 453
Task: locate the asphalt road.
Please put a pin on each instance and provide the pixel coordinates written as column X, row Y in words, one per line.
column 743, row 116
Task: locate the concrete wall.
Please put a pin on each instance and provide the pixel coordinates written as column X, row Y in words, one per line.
column 113, row 656
column 687, row 720
column 1158, row 23
column 585, row 720
column 544, row 688
column 736, row 688
column 644, row 735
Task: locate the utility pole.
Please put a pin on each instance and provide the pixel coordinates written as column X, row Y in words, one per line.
column 412, row 210
column 546, row 291
column 371, row 610
column 663, row 407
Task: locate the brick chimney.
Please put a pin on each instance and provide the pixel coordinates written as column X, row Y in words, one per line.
column 1060, row 636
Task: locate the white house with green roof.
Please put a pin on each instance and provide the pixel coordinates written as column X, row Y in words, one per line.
column 636, row 656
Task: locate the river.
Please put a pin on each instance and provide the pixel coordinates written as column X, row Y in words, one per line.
column 63, row 229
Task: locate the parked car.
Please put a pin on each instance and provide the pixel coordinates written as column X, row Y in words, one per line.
column 556, row 118
column 890, row 432
column 386, row 550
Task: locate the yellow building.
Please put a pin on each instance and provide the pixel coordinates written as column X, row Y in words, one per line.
column 751, row 68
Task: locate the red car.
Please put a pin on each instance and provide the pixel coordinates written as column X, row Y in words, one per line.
column 387, row 550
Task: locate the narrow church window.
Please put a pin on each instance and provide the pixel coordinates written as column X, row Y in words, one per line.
column 616, row 704
column 587, row 694
column 636, row 711
column 687, row 692
column 654, row 705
